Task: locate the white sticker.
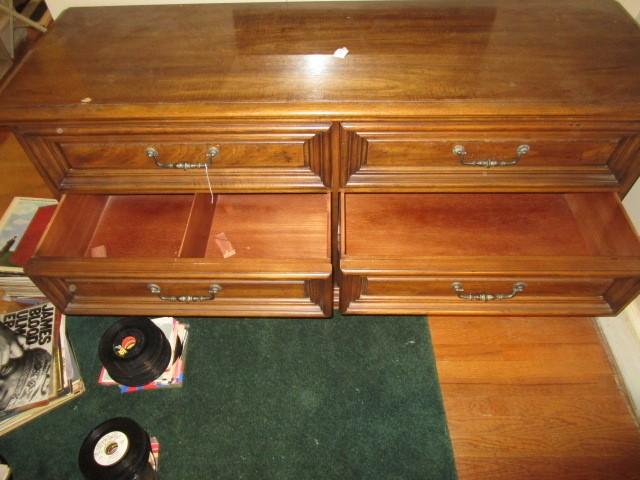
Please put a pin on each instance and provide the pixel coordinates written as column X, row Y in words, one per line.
column 111, row 448
column 341, row 52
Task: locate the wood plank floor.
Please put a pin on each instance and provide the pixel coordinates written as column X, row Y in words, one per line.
column 526, row 398
column 18, row 177
column 533, row 398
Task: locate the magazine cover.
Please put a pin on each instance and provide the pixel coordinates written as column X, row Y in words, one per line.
column 29, row 379
column 71, row 385
column 13, row 225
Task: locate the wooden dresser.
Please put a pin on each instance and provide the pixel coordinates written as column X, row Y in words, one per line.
column 463, row 158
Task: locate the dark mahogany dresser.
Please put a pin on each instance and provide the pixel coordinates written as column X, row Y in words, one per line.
column 462, row 158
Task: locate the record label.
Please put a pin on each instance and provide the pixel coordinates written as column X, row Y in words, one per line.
column 111, row 448
column 127, row 343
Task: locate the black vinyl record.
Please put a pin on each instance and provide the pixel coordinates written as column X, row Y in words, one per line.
column 134, row 351
column 118, row 449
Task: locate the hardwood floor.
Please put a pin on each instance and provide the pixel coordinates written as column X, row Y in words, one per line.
column 533, row 398
column 526, row 398
column 19, row 177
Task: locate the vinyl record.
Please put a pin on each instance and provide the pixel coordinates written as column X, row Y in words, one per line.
column 118, row 449
column 134, row 351
column 5, row 469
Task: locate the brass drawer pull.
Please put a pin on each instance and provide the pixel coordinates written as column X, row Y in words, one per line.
column 486, row 297
column 213, row 290
column 212, row 152
column 460, row 151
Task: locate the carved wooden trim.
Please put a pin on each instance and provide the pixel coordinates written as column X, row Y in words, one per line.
column 578, row 267
column 354, row 154
column 625, row 163
column 426, row 306
column 179, row 268
column 321, row 293
column 622, row 292
column 242, row 307
column 55, row 289
column 351, row 288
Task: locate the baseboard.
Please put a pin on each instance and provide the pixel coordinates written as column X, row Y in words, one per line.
column 622, row 335
column 633, row 314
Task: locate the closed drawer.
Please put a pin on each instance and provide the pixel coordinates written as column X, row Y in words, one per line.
column 488, row 156
column 228, row 254
column 524, row 254
column 521, row 295
column 173, row 158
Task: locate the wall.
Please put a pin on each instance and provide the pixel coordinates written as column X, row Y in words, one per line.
column 632, row 203
column 632, row 6
column 57, row 6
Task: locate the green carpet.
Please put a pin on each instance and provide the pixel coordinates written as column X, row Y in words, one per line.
column 344, row 398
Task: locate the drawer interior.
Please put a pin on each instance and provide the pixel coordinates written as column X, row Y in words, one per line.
column 476, row 224
column 279, row 226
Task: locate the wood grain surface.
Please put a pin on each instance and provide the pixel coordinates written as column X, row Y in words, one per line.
column 468, row 224
column 435, row 55
column 526, row 398
column 533, row 398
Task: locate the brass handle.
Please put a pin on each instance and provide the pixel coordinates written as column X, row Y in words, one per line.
column 486, row 297
column 460, row 151
column 213, row 290
column 152, row 153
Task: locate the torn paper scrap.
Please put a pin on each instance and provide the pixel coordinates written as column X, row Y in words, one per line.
column 224, row 245
column 341, row 52
column 98, row 252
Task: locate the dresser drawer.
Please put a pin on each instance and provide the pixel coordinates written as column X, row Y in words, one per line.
column 242, row 255
column 178, row 158
column 488, row 156
column 524, row 254
column 305, row 296
column 520, row 295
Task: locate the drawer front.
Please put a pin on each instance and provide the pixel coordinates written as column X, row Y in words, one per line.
column 173, row 158
column 215, row 297
column 226, row 254
column 162, row 154
column 486, row 253
column 489, row 156
column 476, row 295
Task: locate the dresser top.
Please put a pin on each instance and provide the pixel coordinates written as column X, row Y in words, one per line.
column 442, row 57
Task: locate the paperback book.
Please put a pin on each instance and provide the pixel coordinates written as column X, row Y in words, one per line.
column 21, row 228
column 13, row 230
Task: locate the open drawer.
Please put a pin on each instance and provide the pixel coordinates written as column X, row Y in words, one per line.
column 165, row 255
column 493, row 254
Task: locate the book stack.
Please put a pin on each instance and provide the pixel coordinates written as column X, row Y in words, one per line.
column 21, row 228
column 177, row 333
column 45, row 375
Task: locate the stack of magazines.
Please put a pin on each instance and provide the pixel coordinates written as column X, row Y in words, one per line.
column 46, row 375
column 21, row 228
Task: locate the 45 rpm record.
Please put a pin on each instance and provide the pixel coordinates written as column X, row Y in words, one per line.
column 134, row 351
column 117, row 449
